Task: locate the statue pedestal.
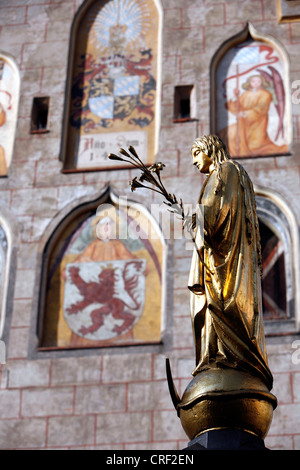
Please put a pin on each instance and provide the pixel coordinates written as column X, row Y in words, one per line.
column 226, row 399
column 226, row 439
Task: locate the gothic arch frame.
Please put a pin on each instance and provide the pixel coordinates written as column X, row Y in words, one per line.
column 273, row 210
column 71, row 212
column 249, row 32
column 10, row 227
column 64, row 157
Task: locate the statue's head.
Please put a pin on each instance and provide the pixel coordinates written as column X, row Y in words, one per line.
column 212, row 147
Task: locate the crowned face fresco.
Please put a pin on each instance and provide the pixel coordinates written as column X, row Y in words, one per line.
column 251, row 110
column 113, row 96
column 104, row 284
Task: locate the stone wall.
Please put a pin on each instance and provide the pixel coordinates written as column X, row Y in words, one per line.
column 120, row 400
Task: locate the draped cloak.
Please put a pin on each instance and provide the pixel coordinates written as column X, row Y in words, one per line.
column 225, row 281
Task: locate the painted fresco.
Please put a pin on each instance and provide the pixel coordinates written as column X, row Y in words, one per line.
column 102, row 289
column 114, row 89
column 9, row 98
column 251, row 101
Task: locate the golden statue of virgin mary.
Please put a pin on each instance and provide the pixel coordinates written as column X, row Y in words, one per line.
column 232, row 380
column 225, row 275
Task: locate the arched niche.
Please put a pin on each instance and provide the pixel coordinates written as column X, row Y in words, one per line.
column 280, row 253
column 9, row 243
column 113, row 83
column 250, row 104
column 103, row 278
column 9, row 102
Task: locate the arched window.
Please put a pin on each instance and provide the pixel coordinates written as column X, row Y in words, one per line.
column 275, row 306
column 113, row 85
column 103, row 278
column 279, row 243
column 250, row 102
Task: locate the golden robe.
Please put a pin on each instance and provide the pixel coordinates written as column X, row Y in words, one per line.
column 225, row 279
column 249, row 136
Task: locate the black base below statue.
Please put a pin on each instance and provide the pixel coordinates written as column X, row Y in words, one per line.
column 226, row 439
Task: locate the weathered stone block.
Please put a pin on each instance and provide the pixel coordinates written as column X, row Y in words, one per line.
column 18, row 343
column 71, row 430
column 39, row 54
column 296, row 386
column 27, row 252
column 149, row 396
column 126, row 368
column 279, row 442
column 68, row 194
column 100, row 398
column 282, row 388
column 9, row 404
column 34, row 201
column 21, row 312
column 60, row 12
column 204, row 15
column 129, row 427
column 286, row 419
column 25, row 280
column 167, row 426
column 173, row 18
column 24, row 373
column 49, row 173
column 10, row 15
column 22, row 33
column 237, row 11
column 22, row 434
column 75, row 370
column 47, row 401
column 21, row 174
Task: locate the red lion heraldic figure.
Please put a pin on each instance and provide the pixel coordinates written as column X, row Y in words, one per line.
column 105, row 292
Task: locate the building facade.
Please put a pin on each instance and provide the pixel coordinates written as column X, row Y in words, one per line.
column 79, row 79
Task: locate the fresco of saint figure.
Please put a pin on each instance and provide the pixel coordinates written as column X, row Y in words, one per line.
column 101, row 288
column 251, row 101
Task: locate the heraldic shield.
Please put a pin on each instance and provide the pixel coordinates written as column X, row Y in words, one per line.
column 104, row 300
column 114, row 98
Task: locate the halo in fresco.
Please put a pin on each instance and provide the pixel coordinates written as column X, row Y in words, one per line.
column 130, row 16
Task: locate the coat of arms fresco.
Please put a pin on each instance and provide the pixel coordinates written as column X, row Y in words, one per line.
column 113, row 94
column 104, row 283
column 252, row 102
